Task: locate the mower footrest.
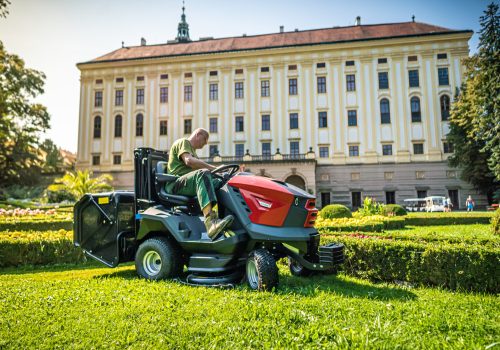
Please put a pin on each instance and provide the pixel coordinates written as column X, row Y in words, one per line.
column 331, row 254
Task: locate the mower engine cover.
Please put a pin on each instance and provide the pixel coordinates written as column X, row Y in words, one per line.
column 275, row 203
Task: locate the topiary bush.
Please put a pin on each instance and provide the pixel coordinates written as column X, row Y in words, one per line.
column 495, row 222
column 335, row 211
column 393, row 210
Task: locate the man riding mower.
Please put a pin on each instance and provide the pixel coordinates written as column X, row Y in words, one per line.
column 171, row 233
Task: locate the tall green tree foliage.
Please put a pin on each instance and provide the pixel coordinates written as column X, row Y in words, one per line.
column 21, row 120
column 53, row 159
column 475, row 115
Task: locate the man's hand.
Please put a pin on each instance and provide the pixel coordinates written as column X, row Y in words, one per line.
column 194, row 163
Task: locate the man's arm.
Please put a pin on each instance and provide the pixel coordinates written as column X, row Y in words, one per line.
column 195, row 163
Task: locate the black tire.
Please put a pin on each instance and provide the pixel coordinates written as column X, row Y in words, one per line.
column 297, row 269
column 261, row 270
column 157, row 258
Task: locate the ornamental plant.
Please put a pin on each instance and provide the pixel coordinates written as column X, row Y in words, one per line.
column 371, row 207
column 80, row 182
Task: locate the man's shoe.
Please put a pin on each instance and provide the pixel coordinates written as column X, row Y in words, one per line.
column 215, row 226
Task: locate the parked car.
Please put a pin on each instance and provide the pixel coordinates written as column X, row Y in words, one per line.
column 415, row 204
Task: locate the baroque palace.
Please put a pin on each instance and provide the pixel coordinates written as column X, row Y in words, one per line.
column 344, row 112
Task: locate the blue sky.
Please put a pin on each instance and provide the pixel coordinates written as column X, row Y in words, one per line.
column 54, row 35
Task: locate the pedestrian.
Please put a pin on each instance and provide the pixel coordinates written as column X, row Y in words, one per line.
column 469, row 203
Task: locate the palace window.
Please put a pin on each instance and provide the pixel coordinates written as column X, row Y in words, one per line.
column 383, row 80
column 416, row 116
column 238, row 90
column 266, row 122
column 385, row 111
column 188, row 93
column 321, row 85
column 118, row 125
column 322, row 120
column 213, row 94
column 139, row 97
column 97, row 127
column 351, row 82
column 239, row 124
column 294, row 120
column 443, row 76
column 444, row 102
column 264, row 88
column 352, row 118
column 164, row 94
column 139, row 125
column 413, row 78
column 292, row 86
column 163, row 127
column 98, row 99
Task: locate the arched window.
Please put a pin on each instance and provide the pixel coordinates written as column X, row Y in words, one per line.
column 139, row 125
column 97, row 127
column 385, row 111
column 416, row 116
column 445, row 107
column 118, row 126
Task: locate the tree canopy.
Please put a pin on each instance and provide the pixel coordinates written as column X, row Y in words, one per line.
column 21, row 120
column 475, row 115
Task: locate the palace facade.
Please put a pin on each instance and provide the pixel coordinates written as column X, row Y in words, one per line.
column 344, row 112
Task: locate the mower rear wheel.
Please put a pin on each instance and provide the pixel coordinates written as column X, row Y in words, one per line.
column 158, row 259
column 297, row 269
column 261, row 270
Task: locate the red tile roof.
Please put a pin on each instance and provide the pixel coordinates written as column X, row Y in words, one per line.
column 276, row 40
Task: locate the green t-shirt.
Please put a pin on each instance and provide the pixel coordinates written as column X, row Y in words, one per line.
column 175, row 164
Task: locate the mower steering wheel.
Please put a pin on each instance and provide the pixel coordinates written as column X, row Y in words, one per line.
column 228, row 169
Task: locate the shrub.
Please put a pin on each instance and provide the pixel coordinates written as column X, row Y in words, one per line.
column 335, row 211
column 495, row 222
column 393, row 210
column 453, row 266
column 58, row 195
column 23, row 192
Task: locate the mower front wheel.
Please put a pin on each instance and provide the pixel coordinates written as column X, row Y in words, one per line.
column 261, row 270
column 158, row 259
column 297, row 269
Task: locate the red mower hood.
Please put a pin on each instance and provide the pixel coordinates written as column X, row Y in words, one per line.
column 269, row 200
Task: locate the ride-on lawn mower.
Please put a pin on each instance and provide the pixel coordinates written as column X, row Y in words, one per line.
column 164, row 232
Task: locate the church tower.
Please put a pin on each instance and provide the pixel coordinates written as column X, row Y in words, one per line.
column 183, row 29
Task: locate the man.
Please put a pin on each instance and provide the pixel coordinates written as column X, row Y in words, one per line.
column 195, row 179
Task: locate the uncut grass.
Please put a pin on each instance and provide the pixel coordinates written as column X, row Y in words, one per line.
column 93, row 307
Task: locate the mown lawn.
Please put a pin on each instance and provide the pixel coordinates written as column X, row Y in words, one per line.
column 92, row 307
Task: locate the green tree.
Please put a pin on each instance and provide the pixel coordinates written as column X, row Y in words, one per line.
column 21, row 120
column 80, row 182
column 53, row 159
column 475, row 118
column 3, row 8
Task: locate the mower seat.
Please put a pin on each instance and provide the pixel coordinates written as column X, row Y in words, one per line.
column 161, row 179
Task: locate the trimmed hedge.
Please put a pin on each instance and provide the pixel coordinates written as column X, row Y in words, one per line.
column 38, row 248
column 335, row 211
column 453, row 266
column 434, row 219
column 47, row 225
column 375, row 223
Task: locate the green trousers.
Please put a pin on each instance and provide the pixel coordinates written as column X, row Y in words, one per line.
column 198, row 183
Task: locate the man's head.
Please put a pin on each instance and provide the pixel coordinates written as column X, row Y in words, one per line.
column 199, row 138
